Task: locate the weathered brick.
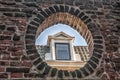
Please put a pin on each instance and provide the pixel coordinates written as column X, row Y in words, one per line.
column 10, row 9
column 16, row 75
column 19, row 14
column 48, row 11
column 66, row 73
column 34, row 23
column 79, row 75
column 34, row 56
column 56, row 8
column 52, row 9
column 7, row 32
column 5, row 37
column 54, row 72
column 7, row 2
column 2, row 27
column 3, row 75
column 81, row 15
column 33, row 75
column 73, row 74
column 16, row 38
column 99, row 46
column 95, row 60
column 37, row 61
column 47, row 70
column 92, row 64
column 66, row 8
column 16, row 63
column 77, row 11
column 18, row 0
column 4, row 63
column 15, row 58
column 26, row 63
column 60, row 74
column 71, row 11
column 41, row 66
column 17, row 70
column 2, row 69
column 8, row 14
column 89, row 68
column 12, row 29
column 97, row 55
column 30, row 36
column 31, row 4
column 85, row 73
column 98, row 50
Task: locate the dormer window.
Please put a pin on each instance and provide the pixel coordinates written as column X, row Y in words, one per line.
column 61, row 46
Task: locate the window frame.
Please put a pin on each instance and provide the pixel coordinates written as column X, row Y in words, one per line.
column 69, row 53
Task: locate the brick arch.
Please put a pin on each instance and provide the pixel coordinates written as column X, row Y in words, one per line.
column 80, row 22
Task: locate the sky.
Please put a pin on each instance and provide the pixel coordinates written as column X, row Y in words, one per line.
column 42, row 38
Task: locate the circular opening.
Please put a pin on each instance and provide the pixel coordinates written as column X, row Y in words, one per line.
column 62, row 47
column 81, row 23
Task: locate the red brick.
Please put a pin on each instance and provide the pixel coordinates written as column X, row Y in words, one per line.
column 4, row 63
column 2, row 47
column 15, row 58
column 18, row 42
column 104, row 77
column 5, row 57
column 15, row 63
column 26, row 63
column 22, row 28
column 6, row 42
column 17, row 53
column 3, row 75
column 16, row 75
column 25, row 58
column 2, row 69
column 7, row 32
column 21, row 21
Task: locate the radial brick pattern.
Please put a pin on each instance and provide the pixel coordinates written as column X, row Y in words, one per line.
column 74, row 18
column 21, row 21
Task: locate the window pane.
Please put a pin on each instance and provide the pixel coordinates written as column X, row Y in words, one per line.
column 62, row 51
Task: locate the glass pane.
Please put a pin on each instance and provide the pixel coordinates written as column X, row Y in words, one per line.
column 62, row 51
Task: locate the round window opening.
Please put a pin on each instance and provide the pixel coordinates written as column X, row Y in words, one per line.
column 62, row 47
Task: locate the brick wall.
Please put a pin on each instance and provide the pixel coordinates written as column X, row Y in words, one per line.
column 19, row 21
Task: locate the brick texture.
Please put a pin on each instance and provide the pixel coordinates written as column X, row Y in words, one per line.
column 19, row 21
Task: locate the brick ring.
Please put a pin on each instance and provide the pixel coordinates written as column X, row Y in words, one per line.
column 74, row 18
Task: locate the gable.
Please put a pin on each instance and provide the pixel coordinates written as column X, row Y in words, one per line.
column 62, row 35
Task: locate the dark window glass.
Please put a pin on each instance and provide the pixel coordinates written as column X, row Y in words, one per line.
column 62, row 51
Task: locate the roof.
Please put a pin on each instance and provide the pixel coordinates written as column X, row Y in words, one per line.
column 60, row 36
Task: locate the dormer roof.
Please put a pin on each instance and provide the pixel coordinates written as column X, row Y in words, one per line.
column 60, row 36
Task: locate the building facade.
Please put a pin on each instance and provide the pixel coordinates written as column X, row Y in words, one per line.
column 21, row 22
